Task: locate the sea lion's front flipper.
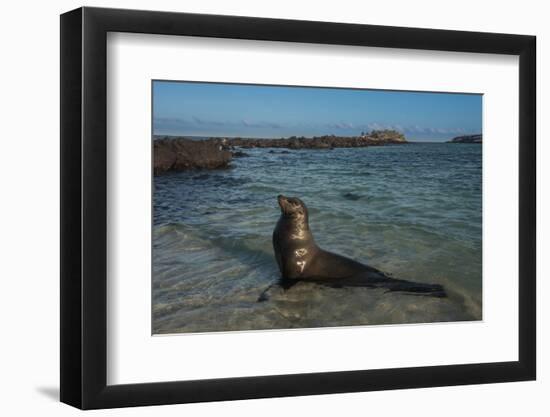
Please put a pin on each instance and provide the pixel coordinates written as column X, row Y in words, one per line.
column 285, row 284
column 264, row 296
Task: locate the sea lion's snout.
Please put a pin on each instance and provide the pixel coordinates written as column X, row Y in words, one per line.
column 290, row 205
column 284, row 202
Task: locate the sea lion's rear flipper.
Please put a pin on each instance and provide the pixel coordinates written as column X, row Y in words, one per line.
column 380, row 280
column 416, row 288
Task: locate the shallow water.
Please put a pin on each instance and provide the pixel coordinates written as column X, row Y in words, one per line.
column 413, row 211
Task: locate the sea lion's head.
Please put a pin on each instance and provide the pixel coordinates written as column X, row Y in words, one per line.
column 292, row 207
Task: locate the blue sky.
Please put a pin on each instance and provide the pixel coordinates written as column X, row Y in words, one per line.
column 215, row 109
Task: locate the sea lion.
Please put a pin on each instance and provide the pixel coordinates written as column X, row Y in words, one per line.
column 300, row 259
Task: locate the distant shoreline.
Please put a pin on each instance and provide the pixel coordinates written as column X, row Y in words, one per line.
column 373, row 137
column 468, row 139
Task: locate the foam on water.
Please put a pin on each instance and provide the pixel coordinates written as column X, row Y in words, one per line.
column 411, row 210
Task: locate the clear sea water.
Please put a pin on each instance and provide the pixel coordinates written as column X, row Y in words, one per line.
column 414, row 211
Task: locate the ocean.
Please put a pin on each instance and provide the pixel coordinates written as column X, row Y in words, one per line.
column 413, row 211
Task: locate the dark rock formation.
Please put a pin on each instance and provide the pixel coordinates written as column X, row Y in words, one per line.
column 467, row 139
column 179, row 154
column 374, row 138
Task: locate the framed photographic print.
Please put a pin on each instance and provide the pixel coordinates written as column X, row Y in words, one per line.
column 257, row 207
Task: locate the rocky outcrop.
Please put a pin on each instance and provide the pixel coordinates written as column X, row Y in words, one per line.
column 179, row 154
column 467, row 139
column 374, row 138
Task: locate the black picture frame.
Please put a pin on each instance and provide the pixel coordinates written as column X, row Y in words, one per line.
column 84, row 207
